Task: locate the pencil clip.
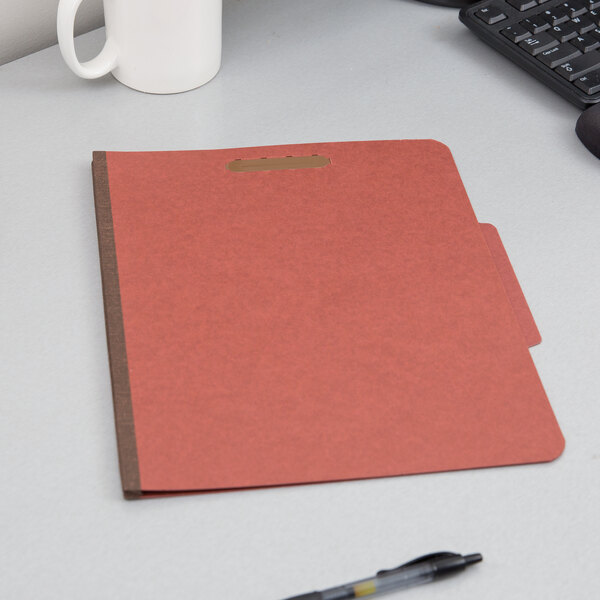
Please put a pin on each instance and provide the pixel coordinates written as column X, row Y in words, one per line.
column 421, row 559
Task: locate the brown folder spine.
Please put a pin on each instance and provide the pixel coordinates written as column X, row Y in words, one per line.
column 128, row 457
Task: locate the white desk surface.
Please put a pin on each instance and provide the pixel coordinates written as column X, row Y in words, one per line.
column 292, row 72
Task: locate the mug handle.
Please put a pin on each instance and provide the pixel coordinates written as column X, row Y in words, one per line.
column 104, row 63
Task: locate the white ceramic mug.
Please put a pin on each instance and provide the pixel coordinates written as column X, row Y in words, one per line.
column 156, row 46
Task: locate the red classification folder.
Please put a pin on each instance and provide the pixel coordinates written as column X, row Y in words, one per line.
column 310, row 313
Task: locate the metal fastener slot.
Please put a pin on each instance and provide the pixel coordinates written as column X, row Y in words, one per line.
column 241, row 165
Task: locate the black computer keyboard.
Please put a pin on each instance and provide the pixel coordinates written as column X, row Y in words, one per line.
column 558, row 42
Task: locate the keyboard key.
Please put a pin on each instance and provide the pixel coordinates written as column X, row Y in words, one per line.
column 592, row 4
column 577, row 67
column 594, row 15
column 556, row 15
column 491, row 15
column 586, row 43
column 583, row 24
column 589, row 83
column 564, row 32
column 596, row 33
column 558, row 55
column 522, row 5
column 516, row 33
column 538, row 43
column 575, row 8
column 535, row 24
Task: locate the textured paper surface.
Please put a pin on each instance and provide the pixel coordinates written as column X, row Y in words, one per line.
column 310, row 325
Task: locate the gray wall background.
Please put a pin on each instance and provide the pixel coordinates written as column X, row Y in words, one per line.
column 29, row 25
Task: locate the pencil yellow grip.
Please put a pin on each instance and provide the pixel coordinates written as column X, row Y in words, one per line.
column 365, row 588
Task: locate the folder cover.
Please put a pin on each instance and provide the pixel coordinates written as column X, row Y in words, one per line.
column 309, row 313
